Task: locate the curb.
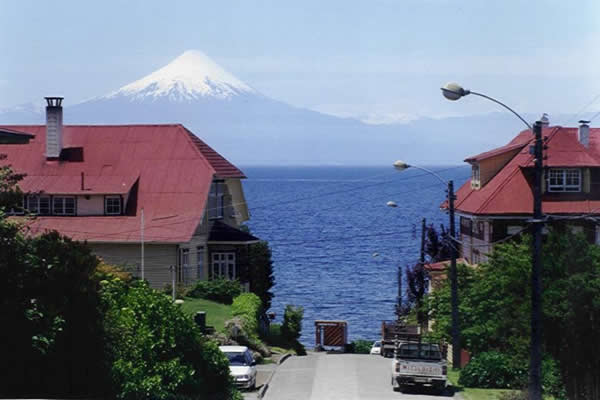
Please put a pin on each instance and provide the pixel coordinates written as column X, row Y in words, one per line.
column 285, row 357
column 263, row 389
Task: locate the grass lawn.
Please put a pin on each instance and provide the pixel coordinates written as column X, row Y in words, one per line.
column 216, row 313
column 473, row 393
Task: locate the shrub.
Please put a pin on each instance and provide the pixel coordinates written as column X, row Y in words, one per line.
column 551, row 379
column 361, row 346
column 292, row 327
column 494, row 370
column 220, row 290
column 154, row 350
column 247, row 306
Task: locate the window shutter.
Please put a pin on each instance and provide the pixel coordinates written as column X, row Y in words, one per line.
column 586, row 180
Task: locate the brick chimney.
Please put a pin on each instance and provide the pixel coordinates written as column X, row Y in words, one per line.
column 54, row 127
column 583, row 133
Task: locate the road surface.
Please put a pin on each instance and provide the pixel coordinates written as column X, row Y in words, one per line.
column 322, row 376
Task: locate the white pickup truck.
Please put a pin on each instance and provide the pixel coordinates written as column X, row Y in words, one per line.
column 418, row 364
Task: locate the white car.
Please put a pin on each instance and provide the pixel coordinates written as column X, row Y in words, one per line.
column 241, row 365
column 376, row 349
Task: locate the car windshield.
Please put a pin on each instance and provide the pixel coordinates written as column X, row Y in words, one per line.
column 236, row 359
column 377, row 344
column 419, row 350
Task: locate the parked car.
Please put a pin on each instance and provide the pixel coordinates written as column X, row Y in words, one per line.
column 241, row 365
column 376, row 348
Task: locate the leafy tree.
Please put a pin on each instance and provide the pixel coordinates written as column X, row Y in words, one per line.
column 260, row 273
column 438, row 245
column 10, row 194
column 494, row 304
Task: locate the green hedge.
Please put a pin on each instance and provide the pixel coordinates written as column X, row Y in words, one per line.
column 247, row 306
column 494, row 370
column 220, row 290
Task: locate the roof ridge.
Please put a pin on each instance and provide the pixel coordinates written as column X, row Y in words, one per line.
column 187, row 134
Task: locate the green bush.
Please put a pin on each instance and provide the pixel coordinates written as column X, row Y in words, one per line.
column 155, row 351
column 494, row 370
column 362, row 346
column 551, row 379
column 220, row 290
column 291, row 328
column 247, row 306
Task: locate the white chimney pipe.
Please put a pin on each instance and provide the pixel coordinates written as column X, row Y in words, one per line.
column 583, row 133
column 54, row 125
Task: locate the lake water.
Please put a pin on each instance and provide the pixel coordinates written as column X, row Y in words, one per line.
column 336, row 245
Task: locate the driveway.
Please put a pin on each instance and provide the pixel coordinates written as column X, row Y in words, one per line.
column 322, row 376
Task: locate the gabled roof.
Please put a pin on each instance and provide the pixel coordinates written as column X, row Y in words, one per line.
column 509, row 192
column 223, row 233
column 173, row 171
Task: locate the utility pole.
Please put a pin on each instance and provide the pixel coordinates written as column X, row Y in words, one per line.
column 423, row 228
column 172, row 268
column 456, row 347
column 535, row 385
column 142, row 241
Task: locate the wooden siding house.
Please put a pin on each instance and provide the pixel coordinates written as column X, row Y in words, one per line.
column 118, row 186
column 497, row 202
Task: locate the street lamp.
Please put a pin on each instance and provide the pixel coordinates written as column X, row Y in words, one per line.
column 453, row 91
column 401, row 166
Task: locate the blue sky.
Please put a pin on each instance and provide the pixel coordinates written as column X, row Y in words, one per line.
column 379, row 60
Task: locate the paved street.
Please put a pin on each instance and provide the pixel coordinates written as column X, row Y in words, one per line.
column 323, row 376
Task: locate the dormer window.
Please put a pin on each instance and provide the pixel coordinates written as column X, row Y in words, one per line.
column 564, row 180
column 38, row 204
column 112, row 205
column 476, row 176
column 216, row 202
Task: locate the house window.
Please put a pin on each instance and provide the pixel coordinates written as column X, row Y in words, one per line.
column 183, row 275
column 38, row 204
column 216, row 202
column 112, row 205
column 564, row 180
column 199, row 262
column 223, row 266
column 476, row 177
column 466, row 226
column 63, row 205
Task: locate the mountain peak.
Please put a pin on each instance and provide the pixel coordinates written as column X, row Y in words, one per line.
column 190, row 76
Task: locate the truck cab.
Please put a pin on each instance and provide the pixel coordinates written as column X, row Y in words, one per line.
column 419, row 364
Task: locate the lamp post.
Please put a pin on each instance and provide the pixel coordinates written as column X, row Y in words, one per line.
column 400, row 165
column 453, row 91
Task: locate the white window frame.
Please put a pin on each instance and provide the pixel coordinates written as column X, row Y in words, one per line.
column 199, row 262
column 222, row 265
column 63, row 206
column 184, row 265
column 556, row 180
column 106, row 205
column 216, row 205
column 32, row 204
column 475, row 176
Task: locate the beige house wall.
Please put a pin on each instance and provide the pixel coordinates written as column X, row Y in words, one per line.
column 157, row 259
column 92, row 206
column 489, row 167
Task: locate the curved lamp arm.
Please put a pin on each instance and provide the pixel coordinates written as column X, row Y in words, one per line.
column 401, row 165
column 505, row 106
column 453, row 91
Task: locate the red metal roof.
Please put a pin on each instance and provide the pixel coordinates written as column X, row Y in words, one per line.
column 174, row 178
column 495, row 152
column 510, row 190
column 442, row 266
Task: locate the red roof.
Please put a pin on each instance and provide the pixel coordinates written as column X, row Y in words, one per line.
column 510, row 190
column 173, row 168
column 442, row 266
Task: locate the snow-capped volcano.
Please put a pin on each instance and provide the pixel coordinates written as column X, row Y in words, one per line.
column 192, row 75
